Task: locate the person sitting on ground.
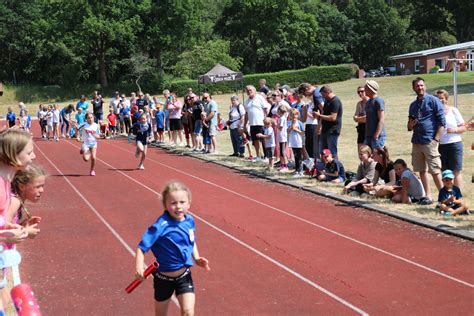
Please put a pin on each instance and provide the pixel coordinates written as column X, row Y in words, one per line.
column 450, row 200
column 383, row 170
column 365, row 173
column 409, row 189
column 333, row 170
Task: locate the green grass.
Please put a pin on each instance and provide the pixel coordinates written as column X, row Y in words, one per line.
column 397, row 94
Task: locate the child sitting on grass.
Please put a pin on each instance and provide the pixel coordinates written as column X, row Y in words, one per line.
column 450, row 198
column 333, row 170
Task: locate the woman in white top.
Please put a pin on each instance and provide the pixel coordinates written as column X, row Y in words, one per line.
column 450, row 143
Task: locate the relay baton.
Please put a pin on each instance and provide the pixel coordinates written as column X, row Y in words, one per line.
column 132, row 286
column 25, row 301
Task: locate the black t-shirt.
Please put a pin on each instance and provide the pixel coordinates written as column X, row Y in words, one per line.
column 384, row 172
column 141, row 103
column 97, row 106
column 197, row 109
column 332, row 167
column 332, row 106
column 264, row 89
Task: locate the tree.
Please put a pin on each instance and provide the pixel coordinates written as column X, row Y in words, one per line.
column 379, row 32
column 203, row 57
column 269, row 35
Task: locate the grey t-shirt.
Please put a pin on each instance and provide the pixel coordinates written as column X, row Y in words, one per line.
column 416, row 187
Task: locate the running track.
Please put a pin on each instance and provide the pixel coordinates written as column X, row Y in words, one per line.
column 273, row 250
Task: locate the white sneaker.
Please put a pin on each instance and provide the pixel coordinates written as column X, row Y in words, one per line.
column 297, row 175
column 141, row 167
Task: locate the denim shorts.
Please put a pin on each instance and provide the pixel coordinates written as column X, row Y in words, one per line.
column 198, row 127
column 451, row 156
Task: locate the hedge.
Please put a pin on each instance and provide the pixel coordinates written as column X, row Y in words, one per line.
column 313, row 74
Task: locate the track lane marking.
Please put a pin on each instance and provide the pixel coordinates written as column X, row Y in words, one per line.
column 411, row 262
column 268, row 258
column 97, row 213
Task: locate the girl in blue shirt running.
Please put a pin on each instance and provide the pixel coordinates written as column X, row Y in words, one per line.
column 171, row 239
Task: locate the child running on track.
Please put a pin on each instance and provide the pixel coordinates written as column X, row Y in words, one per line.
column 89, row 133
column 142, row 130
column 16, row 153
column 171, row 239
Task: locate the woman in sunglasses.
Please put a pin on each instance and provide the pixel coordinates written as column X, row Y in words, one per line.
column 359, row 116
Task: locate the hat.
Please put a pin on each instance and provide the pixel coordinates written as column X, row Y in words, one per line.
column 326, row 152
column 372, row 85
column 447, row 174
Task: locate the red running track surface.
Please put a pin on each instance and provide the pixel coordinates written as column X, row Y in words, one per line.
column 273, row 250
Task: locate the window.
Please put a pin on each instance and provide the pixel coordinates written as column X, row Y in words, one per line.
column 470, row 60
column 417, row 65
column 441, row 63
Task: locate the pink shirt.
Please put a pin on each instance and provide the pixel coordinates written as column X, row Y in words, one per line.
column 5, row 197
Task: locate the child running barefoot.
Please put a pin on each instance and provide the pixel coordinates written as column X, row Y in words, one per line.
column 89, row 134
column 16, row 153
column 172, row 240
column 142, row 130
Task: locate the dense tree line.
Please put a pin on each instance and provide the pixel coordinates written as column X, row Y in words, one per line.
column 66, row 42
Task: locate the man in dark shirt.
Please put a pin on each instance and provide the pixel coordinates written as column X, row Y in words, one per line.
column 141, row 101
column 262, row 83
column 97, row 104
column 331, row 121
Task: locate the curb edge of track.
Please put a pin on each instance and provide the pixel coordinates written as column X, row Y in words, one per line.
column 443, row 228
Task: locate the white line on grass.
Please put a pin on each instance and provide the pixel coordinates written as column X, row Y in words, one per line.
column 421, row 266
column 277, row 263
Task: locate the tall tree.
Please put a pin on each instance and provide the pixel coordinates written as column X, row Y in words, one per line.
column 379, row 32
column 269, row 35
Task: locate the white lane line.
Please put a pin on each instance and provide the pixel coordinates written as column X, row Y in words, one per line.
column 421, row 266
column 97, row 213
column 277, row 263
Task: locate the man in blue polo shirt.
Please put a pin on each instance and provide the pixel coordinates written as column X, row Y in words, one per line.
column 427, row 121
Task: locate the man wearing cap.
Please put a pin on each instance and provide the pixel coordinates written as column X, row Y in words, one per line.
column 427, row 121
column 375, row 117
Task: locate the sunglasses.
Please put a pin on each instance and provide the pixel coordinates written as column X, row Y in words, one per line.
column 276, row 95
column 361, row 91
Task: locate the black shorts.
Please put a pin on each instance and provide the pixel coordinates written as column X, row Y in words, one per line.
column 254, row 130
column 176, row 124
column 165, row 286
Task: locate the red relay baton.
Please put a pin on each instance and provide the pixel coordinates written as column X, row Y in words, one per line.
column 132, row 286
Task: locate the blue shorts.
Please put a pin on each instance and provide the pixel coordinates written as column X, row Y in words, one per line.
column 198, row 127
column 451, row 156
column 375, row 144
column 331, row 178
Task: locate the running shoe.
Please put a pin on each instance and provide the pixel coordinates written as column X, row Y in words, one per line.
column 93, row 173
column 141, row 167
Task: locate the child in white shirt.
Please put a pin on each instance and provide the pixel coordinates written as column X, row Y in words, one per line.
column 295, row 140
column 282, row 113
column 269, row 138
column 56, row 115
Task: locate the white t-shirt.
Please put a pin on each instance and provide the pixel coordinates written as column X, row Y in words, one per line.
column 49, row 118
column 255, row 110
column 282, row 102
column 235, row 114
column 56, row 116
column 282, row 128
column 309, row 119
column 453, row 120
column 270, row 141
column 295, row 140
column 88, row 132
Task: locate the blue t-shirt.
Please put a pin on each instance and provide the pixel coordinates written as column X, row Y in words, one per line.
column 80, row 118
column 317, row 98
column 160, row 119
column 372, row 107
column 11, row 117
column 430, row 115
column 209, row 107
column 444, row 194
column 82, row 104
column 171, row 242
column 143, row 131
